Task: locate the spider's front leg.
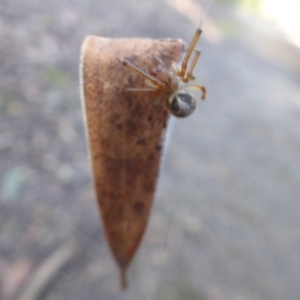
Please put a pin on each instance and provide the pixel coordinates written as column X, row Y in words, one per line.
column 152, row 82
column 189, row 76
column 189, row 52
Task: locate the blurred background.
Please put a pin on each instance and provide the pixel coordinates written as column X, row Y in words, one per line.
column 225, row 223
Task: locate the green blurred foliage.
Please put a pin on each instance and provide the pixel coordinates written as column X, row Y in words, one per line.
column 251, row 4
column 12, row 183
column 10, row 105
column 59, row 78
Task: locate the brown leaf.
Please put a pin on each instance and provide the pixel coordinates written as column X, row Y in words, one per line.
column 126, row 131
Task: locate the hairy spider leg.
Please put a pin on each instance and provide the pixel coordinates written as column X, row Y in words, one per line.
column 189, row 76
column 189, row 52
column 157, row 83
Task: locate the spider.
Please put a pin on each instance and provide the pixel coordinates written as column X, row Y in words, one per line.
column 181, row 103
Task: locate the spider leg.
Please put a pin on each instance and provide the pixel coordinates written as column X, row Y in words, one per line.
column 142, row 89
column 196, row 87
column 132, row 67
column 189, row 52
column 189, row 75
column 158, row 59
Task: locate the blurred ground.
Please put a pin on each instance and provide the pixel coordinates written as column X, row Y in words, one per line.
column 226, row 219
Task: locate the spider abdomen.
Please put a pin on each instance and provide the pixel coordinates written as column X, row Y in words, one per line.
column 181, row 104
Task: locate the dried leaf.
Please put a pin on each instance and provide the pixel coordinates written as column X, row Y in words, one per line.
column 126, row 131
